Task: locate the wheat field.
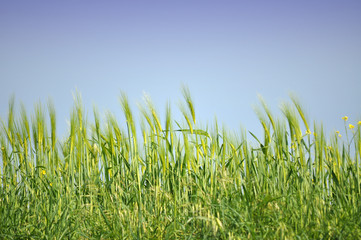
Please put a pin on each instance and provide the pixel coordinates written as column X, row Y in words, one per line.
column 169, row 178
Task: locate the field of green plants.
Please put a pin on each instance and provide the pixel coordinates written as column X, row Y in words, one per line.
column 169, row 178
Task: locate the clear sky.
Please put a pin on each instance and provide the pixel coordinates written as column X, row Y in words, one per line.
column 226, row 52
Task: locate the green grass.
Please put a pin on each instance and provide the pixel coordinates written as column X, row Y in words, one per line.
column 169, row 179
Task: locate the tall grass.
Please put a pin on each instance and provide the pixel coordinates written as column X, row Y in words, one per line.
column 172, row 179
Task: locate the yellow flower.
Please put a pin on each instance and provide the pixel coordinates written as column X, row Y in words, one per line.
column 339, row 135
column 51, row 184
column 351, row 126
column 43, row 172
column 345, row 118
column 308, row 132
column 293, row 146
column 338, row 132
column 359, row 123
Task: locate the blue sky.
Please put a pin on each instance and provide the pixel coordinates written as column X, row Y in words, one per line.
column 227, row 52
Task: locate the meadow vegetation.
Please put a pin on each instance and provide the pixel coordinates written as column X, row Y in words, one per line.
column 172, row 179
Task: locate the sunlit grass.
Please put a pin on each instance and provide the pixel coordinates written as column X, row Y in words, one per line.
column 171, row 179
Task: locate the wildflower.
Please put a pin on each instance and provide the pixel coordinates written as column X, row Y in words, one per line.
column 338, row 132
column 339, row 135
column 308, row 132
column 293, row 146
column 359, row 123
column 351, row 126
column 43, row 172
column 51, row 184
column 345, row 118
